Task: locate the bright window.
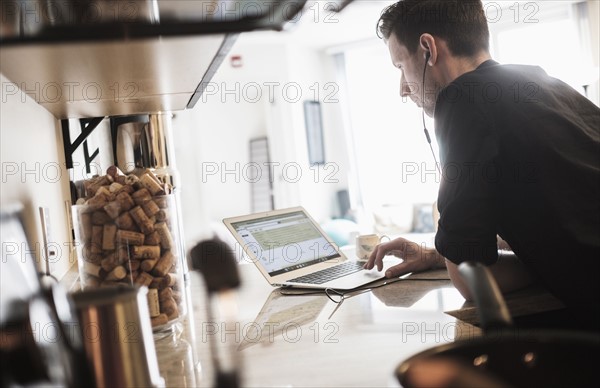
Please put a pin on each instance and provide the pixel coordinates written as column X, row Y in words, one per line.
column 394, row 162
column 395, row 167
column 546, row 34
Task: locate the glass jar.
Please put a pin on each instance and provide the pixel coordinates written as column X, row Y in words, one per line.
column 127, row 235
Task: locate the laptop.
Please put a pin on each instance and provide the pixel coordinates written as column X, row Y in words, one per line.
column 290, row 249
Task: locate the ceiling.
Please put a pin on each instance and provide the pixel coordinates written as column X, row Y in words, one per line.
column 319, row 28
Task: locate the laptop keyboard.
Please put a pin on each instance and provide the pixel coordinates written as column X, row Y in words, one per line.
column 331, row 273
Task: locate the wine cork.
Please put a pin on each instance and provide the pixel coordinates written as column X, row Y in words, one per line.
column 92, row 186
column 164, row 264
column 169, row 307
column 122, row 203
column 141, row 196
column 156, row 282
column 146, row 252
column 159, row 320
column 165, row 294
column 148, row 265
column 133, row 265
column 96, row 243
column 100, row 217
column 123, row 253
column 98, row 201
column 152, row 239
column 150, row 208
column 89, row 185
column 151, row 184
column 128, row 237
column 177, row 297
column 152, row 175
column 89, row 256
column 144, row 279
column 166, row 240
column 153, row 304
column 169, row 280
column 131, row 180
column 85, row 226
column 115, row 187
column 126, row 189
column 112, row 209
column 162, row 201
column 161, row 216
column 92, row 269
column 142, row 221
column 104, row 192
column 109, row 235
column 117, row 273
column 125, row 200
column 113, row 171
column 110, row 262
column 125, row 222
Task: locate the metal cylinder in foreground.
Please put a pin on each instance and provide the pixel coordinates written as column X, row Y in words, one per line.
column 117, row 336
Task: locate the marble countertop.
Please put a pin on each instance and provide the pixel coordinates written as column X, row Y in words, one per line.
column 307, row 340
column 294, row 340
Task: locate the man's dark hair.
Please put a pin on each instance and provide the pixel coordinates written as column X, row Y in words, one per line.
column 461, row 23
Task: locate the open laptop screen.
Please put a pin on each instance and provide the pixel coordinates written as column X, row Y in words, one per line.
column 285, row 242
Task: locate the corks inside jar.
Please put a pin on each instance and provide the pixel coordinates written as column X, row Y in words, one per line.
column 125, row 232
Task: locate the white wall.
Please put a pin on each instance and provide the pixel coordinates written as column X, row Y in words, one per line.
column 299, row 183
column 212, row 139
column 34, row 173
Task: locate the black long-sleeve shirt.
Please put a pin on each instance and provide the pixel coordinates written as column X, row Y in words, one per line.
column 520, row 153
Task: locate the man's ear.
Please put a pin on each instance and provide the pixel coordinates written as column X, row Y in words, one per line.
column 427, row 43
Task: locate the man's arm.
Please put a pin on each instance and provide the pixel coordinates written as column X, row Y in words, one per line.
column 509, row 272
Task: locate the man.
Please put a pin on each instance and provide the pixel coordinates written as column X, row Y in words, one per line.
column 519, row 155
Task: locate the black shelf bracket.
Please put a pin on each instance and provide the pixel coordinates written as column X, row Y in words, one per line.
column 87, row 127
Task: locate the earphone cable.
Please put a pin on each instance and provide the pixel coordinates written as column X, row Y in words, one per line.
column 437, row 165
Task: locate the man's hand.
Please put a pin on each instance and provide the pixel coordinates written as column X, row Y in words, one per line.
column 415, row 258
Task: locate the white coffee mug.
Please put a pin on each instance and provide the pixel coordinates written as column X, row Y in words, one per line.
column 366, row 243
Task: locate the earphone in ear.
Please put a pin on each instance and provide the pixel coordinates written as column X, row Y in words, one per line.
column 427, row 56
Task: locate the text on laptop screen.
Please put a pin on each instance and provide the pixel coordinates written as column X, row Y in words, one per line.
column 285, row 242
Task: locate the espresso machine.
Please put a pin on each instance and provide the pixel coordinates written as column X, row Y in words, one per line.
column 51, row 338
column 36, row 346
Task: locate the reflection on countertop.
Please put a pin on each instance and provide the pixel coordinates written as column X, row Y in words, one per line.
column 177, row 362
column 413, row 288
column 178, row 353
column 530, row 300
column 279, row 313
